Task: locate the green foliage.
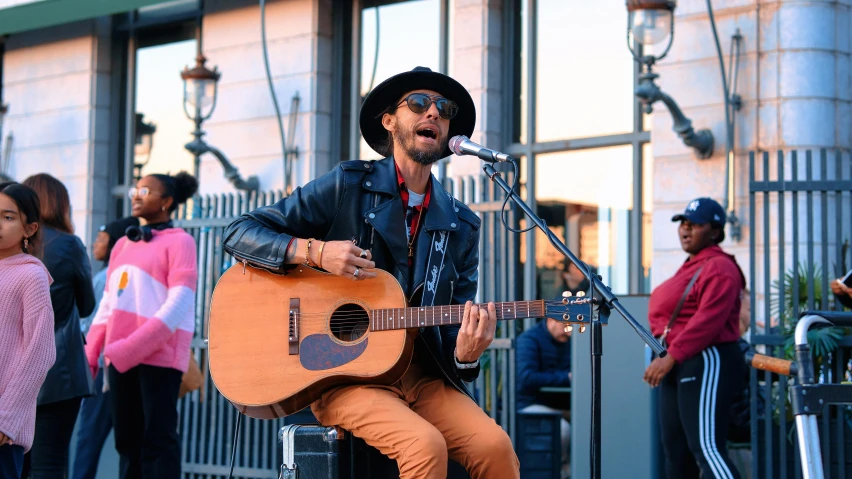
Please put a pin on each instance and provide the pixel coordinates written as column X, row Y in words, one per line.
column 799, row 303
column 822, row 341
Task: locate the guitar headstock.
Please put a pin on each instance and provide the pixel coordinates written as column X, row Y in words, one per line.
column 570, row 309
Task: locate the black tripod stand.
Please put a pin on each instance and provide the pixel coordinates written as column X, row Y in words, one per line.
column 604, row 301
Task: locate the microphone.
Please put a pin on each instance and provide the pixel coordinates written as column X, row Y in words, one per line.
column 461, row 145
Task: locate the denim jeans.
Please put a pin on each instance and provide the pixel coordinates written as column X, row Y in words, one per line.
column 94, row 425
column 11, row 461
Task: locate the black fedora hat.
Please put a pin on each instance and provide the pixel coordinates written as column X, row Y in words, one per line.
column 420, row 78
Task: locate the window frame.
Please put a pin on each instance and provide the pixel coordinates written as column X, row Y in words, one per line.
column 129, row 35
column 531, row 148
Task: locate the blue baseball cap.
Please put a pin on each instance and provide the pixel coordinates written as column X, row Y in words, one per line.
column 701, row 211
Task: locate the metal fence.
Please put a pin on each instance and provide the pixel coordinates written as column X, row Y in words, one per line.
column 207, row 419
column 800, row 219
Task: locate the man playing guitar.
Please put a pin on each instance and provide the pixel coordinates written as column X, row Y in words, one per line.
column 392, row 214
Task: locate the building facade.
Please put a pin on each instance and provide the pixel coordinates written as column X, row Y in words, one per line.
column 95, row 98
column 553, row 83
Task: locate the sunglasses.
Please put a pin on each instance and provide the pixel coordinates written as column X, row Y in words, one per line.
column 420, row 102
column 140, row 192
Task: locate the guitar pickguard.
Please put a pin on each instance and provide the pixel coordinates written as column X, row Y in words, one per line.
column 319, row 352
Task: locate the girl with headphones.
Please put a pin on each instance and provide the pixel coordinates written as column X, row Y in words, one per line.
column 144, row 326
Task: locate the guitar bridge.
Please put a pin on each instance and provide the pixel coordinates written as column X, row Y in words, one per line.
column 293, row 327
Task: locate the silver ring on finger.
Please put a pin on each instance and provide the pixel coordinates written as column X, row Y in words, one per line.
column 363, row 254
column 356, row 272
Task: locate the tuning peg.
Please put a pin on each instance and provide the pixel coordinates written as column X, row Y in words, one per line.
column 568, row 328
column 566, row 294
column 582, row 329
column 580, row 294
column 566, row 317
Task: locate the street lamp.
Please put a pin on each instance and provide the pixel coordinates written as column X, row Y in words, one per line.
column 199, row 100
column 650, row 22
column 144, row 142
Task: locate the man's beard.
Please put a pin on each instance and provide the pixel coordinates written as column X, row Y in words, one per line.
column 406, row 139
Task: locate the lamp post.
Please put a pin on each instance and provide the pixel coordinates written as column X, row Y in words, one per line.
column 144, row 133
column 651, row 22
column 199, row 100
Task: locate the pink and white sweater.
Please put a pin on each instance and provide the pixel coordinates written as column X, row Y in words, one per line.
column 27, row 344
column 147, row 313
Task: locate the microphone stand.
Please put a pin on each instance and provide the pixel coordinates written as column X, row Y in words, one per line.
column 600, row 312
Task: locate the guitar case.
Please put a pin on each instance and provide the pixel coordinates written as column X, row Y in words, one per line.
column 311, row 451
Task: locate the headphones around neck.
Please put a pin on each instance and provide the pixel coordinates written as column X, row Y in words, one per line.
column 145, row 232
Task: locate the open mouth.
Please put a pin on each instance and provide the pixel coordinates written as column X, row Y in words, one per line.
column 427, row 132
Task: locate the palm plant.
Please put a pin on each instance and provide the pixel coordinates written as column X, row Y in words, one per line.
column 822, row 341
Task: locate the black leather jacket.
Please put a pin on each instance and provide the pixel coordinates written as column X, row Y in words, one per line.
column 72, row 296
column 360, row 200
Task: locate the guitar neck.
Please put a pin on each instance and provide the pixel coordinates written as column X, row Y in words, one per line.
column 405, row 318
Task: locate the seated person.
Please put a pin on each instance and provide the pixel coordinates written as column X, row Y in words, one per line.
column 544, row 359
column 842, row 293
column 575, row 280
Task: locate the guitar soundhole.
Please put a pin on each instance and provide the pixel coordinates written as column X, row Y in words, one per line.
column 349, row 322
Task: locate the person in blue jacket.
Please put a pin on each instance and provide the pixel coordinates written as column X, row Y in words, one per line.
column 544, row 360
column 95, row 420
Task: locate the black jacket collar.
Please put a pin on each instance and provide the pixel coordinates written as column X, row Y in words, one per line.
column 441, row 214
column 388, row 219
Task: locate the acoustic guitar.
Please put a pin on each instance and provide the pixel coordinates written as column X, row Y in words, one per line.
column 277, row 341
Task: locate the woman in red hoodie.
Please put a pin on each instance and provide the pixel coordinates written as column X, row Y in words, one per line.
column 696, row 313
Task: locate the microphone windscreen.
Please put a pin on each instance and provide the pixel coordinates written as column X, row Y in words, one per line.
column 455, row 144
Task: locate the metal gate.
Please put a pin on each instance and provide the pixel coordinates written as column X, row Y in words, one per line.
column 800, row 228
column 207, row 420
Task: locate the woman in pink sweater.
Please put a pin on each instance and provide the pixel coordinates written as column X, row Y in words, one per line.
column 144, row 326
column 27, row 349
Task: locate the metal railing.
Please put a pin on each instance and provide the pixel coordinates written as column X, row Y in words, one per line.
column 800, row 228
column 207, row 419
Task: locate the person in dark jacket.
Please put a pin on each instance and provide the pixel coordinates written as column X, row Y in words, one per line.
column 393, row 215
column 842, row 292
column 95, row 419
column 71, row 293
column 543, row 359
column 696, row 313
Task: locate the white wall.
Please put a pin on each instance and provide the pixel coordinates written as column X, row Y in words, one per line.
column 56, row 83
column 794, row 79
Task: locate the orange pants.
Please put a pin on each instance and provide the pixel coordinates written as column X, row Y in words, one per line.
column 419, row 421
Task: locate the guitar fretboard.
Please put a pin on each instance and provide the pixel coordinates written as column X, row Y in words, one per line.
column 404, row 318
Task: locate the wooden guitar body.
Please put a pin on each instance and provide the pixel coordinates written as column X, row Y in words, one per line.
column 277, row 342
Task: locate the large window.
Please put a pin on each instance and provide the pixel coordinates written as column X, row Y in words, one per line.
column 152, row 45
column 584, row 76
column 576, row 118
column 159, row 107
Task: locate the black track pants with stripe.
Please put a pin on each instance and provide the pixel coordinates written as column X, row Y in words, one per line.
column 693, row 409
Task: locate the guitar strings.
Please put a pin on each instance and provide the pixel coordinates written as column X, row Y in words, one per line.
column 458, row 309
